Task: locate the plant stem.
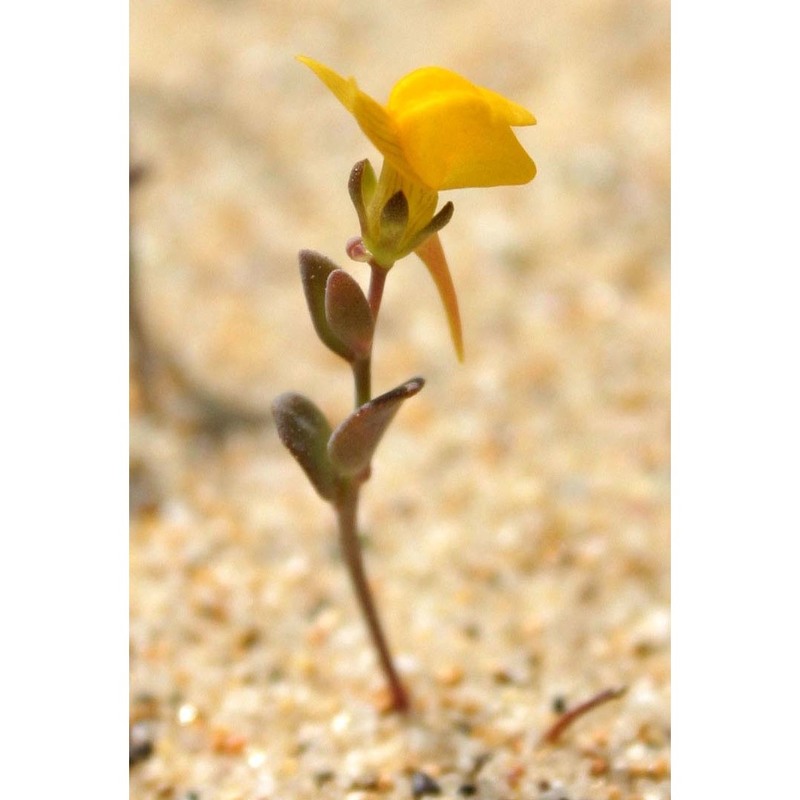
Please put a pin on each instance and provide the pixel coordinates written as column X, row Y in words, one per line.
column 362, row 367
column 362, row 379
column 568, row 717
column 347, row 511
column 376, row 282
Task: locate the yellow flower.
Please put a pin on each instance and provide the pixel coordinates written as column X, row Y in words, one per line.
column 437, row 131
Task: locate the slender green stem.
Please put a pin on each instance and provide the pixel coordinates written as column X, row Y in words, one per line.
column 347, row 511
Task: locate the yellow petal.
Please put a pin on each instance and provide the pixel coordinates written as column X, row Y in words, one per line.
column 455, row 135
column 382, row 132
column 457, row 144
column 513, row 113
column 345, row 89
column 432, row 255
column 371, row 116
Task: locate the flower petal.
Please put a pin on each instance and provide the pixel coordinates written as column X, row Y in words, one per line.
column 382, row 132
column 513, row 113
column 371, row 116
column 455, row 134
column 345, row 89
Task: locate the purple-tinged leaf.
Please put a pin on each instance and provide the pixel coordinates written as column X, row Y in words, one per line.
column 314, row 271
column 348, row 314
column 305, row 431
column 353, row 443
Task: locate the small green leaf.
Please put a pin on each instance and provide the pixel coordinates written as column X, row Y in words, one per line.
column 305, row 431
column 314, row 271
column 348, row 314
column 353, row 443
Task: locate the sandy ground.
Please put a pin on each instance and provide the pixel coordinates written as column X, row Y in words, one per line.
column 517, row 522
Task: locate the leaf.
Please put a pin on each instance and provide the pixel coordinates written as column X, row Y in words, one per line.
column 348, row 314
column 353, row 443
column 314, row 271
column 305, row 432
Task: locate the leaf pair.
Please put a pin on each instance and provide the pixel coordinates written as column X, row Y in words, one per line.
column 339, row 310
column 332, row 457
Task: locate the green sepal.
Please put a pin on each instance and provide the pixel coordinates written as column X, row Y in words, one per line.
column 361, row 187
column 348, row 314
column 314, row 272
column 353, row 443
column 435, row 225
column 305, row 432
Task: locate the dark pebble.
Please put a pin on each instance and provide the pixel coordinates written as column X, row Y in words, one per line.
column 472, row 631
column 422, row 784
column 323, row 776
column 366, row 782
column 559, row 704
column 144, row 495
column 467, row 789
column 140, row 743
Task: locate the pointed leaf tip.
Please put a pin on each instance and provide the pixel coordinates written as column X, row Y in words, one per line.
column 354, row 442
column 436, row 224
